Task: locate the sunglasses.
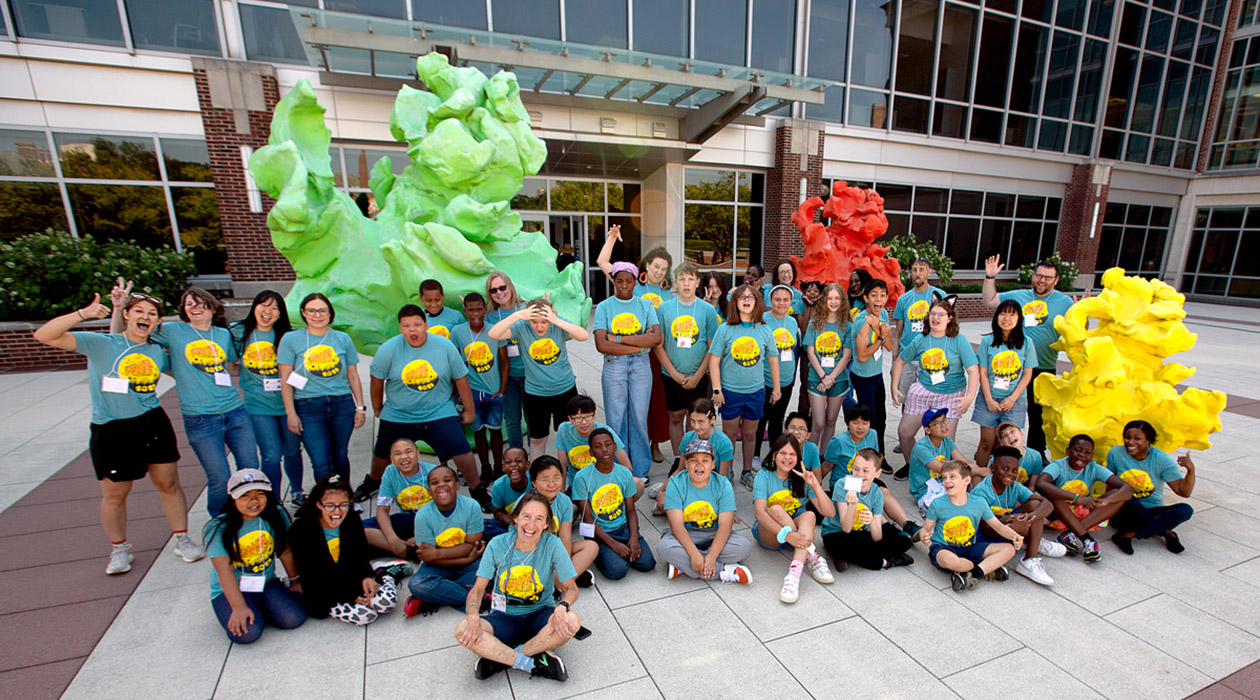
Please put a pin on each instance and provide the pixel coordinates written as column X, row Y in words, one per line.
column 498, row 290
column 146, row 297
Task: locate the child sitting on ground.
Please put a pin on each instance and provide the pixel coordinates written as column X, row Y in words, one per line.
column 782, row 488
column 932, row 450
column 952, row 532
column 605, row 496
column 573, row 438
column 1147, row 468
column 1020, row 509
column 701, row 511
column 701, row 419
column 860, row 533
column 839, row 458
column 1030, row 464
column 405, row 484
column 448, row 545
column 1068, row 483
column 506, row 491
column 548, row 479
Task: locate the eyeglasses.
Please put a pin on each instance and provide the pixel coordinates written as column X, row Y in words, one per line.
column 747, row 297
column 1038, row 275
column 797, row 429
column 550, row 480
column 335, row 507
column 315, row 312
column 498, row 290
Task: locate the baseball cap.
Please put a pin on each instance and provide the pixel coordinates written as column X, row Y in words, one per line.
column 698, row 447
column 932, row 414
column 246, row 480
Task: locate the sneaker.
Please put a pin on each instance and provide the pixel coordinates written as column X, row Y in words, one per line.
column 120, row 560
column 1173, row 542
column 486, row 668
column 791, row 589
column 189, row 550
column 297, row 498
column 547, row 665
column 735, row 573
column 999, row 574
column 1050, row 548
column 653, row 490
column 367, row 488
column 585, row 579
column 673, row 573
column 817, row 568
column 414, row 606
column 1125, row 544
column 1032, row 569
column 747, row 479
column 756, row 463
column 961, row 582
column 1071, row 543
column 899, row 560
column 902, row 474
column 911, row 529
column 886, row 468
column 839, row 566
column 396, row 569
column 897, row 448
column 1092, row 555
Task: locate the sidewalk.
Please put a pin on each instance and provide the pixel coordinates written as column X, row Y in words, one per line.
column 1154, row 625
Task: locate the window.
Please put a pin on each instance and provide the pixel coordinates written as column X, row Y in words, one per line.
column 663, row 26
column 1236, row 141
column 773, row 31
column 185, row 26
column 723, row 219
column 1224, row 246
column 722, row 35
column 470, row 15
column 270, row 35
column 1134, row 237
column 540, row 18
column 873, row 24
column 83, row 21
column 378, row 8
column 597, row 22
column 828, row 40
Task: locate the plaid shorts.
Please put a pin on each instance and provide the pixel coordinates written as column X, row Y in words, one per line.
column 920, row 399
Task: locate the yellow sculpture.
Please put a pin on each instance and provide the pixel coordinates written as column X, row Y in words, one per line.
column 1118, row 372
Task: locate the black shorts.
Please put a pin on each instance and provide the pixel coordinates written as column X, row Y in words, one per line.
column 546, row 413
column 680, row 399
column 122, row 450
column 444, row 435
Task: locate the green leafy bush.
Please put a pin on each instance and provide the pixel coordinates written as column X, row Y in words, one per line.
column 1067, row 273
column 43, row 275
column 906, row 248
column 977, row 287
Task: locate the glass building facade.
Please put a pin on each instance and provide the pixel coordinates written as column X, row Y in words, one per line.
column 1224, row 248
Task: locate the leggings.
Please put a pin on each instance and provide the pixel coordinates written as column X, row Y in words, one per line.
column 859, row 549
column 772, row 415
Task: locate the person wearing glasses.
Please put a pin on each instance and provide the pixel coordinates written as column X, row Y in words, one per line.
column 503, row 303
column 1041, row 305
column 131, row 434
column 323, row 397
column 739, row 354
column 215, row 420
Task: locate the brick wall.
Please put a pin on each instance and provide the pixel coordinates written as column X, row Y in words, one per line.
column 783, row 188
column 18, row 349
column 1077, row 215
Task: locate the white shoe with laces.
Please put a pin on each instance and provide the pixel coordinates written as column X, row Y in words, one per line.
column 1052, row 549
column 189, row 550
column 1034, row 570
column 791, row 588
column 120, row 560
column 735, row 573
column 652, row 490
column 818, row 570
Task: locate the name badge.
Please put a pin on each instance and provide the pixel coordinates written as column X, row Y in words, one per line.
column 296, row 381
column 827, row 362
column 498, row 601
column 852, row 483
column 683, row 341
column 937, row 377
column 222, row 379
column 1001, row 383
column 1030, row 320
column 879, row 354
column 115, row 385
column 916, row 326
column 253, row 584
column 514, row 351
column 587, row 530
column 785, row 356
column 271, row 384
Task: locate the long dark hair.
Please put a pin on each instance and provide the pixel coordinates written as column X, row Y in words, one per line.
column 228, row 526
column 704, row 286
column 732, row 306
column 310, row 507
column 798, row 484
column 1015, row 339
column 864, row 280
column 250, row 323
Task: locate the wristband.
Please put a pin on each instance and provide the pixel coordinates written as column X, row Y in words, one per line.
column 1074, row 498
column 294, row 578
column 80, row 313
column 717, row 391
column 565, row 603
column 782, row 536
column 990, row 277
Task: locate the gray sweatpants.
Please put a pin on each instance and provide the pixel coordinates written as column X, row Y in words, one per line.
column 671, row 551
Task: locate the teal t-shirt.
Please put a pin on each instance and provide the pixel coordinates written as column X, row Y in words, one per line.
column 787, row 338
column 958, row 526
column 1030, row 465
column 1080, row 483
column 578, row 448
column 1012, row 499
column 525, row 579
column 744, row 351
column 809, row 455
column 256, row 543
column 828, row 344
column 332, row 538
column 502, row 495
column 409, row 493
column 196, row 356
column 912, row 310
column 653, row 293
column 925, row 462
column 873, row 366
column 516, row 367
column 1147, row 477
column 547, row 368
column 778, row 492
column 1005, row 366
column 1039, row 315
column 325, row 361
column 481, row 354
column 691, row 325
column 946, row 357
column 840, row 452
column 700, row 506
column 798, row 301
column 872, row 500
column 561, row 509
column 445, row 322
column 605, row 494
column 258, row 363
column 629, row 317
column 449, row 529
column 418, row 380
column 112, row 355
column 722, row 444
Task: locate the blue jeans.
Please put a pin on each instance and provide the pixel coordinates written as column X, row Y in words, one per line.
column 612, row 566
column 211, row 437
column 443, row 585
column 275, row 605
column 514, row 410
column 275, row 442
column 327, row 422
column 627, row 384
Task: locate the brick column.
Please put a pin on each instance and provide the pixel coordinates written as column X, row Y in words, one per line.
column 237, row 100
column 798, row 154
column 1084, row 204
column 1223, row 51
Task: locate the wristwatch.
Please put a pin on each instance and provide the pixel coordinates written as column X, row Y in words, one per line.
column 566, row 605
column 717, row 391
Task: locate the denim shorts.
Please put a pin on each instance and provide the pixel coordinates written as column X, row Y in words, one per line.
column 756, row 535
column 746, row 406
column 487, row 412
column 514, row 630
column 985, row 418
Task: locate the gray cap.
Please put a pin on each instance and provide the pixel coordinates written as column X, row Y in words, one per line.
column 246, row 480
column 699, row 447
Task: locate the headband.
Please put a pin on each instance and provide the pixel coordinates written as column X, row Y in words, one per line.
column 623, row 267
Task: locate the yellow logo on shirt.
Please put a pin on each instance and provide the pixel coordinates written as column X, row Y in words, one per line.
column 580, row 457
column 322, row 361
column 544, row 351
column 1037, row 309
column 1006, row 365
column 827, row 344
column 858, row 525
column 140, row 371
column 450, row 537
column 700, row 514
column 419, row 375
column 654, row 298
column 206, row 355
column 625, row 324
column 940, row 459
column 412, row 498
column 334, row 548
column 440, row 330
column 784, row 499
column 521, row 583
column 1023, row 476
column 256, row 548
column 608, row 502
column 685, row 327
column 918, row 310
column 959, row 531
column 933, row 360
column 479, row 356
column 783, row 339
column 260, row 358
column 746, row 351
column 1077, row 487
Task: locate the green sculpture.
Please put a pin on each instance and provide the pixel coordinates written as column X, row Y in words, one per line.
column 446, row 217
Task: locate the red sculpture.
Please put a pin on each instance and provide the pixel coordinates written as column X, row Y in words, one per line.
column 833, row 252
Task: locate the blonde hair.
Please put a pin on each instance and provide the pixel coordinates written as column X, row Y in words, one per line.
column 511, row 290
column 819, row 320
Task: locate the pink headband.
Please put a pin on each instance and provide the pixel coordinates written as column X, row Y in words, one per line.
column 624, row 267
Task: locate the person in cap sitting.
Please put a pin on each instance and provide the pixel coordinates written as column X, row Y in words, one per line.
column 701, row 511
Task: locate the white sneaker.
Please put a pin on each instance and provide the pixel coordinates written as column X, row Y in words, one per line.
column 756, row 463
column 1034, row 570
column 1050, row 548
column 674, row 572
column 817, row 568
column 791, row 589
column 120, row 560
column 652, row 490
column 189, row 550
column 735, row 573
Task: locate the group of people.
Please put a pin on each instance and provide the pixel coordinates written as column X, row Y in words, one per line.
column 679, row 351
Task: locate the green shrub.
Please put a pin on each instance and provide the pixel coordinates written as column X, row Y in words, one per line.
column 906, row 248
column 43, row 275
column 977, row 287
column 1067, row 273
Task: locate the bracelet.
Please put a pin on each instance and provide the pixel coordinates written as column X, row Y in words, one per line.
column 990, row 277
column 360, row 409
column 474, row 606
column 80, row 313
column 782, row 536
column 1074, row 498
column 294, row 578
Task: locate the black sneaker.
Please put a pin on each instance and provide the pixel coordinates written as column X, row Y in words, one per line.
column 902, row 474
column 899, row 560
column 394, row 568
column 367, row 488
column 482, row 496
column 585, row 580
column 999, row 574
column 486, row 668
column 1125, row 544
column 1173, row 542
column 839, row 565
column 886, row 468
column 960, row 582
column 911, row 528
column 549, row 666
